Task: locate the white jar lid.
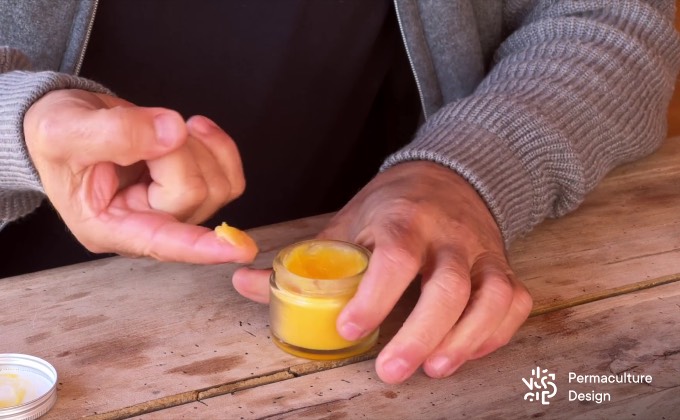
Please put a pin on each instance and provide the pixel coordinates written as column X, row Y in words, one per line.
column 28, row 386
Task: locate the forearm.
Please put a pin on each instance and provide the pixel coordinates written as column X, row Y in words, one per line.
column 577, row 89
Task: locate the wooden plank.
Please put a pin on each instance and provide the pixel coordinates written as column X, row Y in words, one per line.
column 122, row 332
column 674, row 108
column 674, row 111
column 127, row 336
column 634, row 333
column 626, row 231
column 136, row 334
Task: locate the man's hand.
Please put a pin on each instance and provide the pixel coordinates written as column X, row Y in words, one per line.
column 422, row 218
column 133, row 180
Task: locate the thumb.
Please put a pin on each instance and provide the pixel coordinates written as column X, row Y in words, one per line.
column 252, row 284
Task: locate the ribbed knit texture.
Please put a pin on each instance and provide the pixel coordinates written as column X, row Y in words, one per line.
column 578, row 88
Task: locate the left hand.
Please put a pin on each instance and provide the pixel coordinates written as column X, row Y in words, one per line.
column 422, row 218
column 135, row 180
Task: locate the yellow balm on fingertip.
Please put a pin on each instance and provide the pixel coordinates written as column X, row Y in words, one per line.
column 235, row 236
column 311, row 283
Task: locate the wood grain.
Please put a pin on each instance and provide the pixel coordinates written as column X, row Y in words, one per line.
column 130, row 336
column 627, row 231
column 674, row 109
column 636, row 333
column 122, row 332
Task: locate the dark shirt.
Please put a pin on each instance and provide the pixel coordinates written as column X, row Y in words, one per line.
column 315, row 93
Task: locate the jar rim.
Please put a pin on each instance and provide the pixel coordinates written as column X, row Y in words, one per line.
column 313, row 286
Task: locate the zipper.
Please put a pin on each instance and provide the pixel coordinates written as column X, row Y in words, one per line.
column 79, row 64
column 410, row 59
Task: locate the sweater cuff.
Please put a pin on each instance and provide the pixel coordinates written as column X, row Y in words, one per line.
column 20, row 188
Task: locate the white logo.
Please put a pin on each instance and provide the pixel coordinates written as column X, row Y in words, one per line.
column 540, row 384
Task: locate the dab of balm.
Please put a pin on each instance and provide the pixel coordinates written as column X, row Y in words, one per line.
column 12, row 390
column 235, row 236
column 311, row 283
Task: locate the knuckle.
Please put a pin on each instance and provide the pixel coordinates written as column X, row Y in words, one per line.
column 397, row 230
column 422, row 341
column 48, row 125
column 523, row 300
column 497, row 341
column 238, row 187
column 398, row 256
column 451, row 283
column 499, row 288
column 193, row 191
column 47, row 131
column 404, row 206
column 405, row 215
column 220, row 190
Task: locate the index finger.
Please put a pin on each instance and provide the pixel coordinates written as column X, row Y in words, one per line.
column 158, row 235
column 445, row 291
column 395, row 262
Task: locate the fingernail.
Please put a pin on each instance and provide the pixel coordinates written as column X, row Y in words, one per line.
column 351, row 331
column 166, row 132
column 440, row 366
column 397, row 369
column 204, row 125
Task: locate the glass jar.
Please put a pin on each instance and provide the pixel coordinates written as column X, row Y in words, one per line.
column 311, row 283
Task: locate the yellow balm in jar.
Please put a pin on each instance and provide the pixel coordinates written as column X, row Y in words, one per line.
column 311, row 283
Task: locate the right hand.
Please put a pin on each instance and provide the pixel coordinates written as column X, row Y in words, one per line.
column 423, row 218
column 133, row 180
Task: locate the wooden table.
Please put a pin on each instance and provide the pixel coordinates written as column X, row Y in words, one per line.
column 142, row 339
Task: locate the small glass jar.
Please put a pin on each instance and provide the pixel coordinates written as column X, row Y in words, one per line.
column 311, row 283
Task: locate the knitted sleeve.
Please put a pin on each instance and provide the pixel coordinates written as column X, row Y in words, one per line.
column 20, row 188
column 577, row 88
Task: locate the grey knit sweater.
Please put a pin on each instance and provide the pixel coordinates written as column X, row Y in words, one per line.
column 533, row 102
